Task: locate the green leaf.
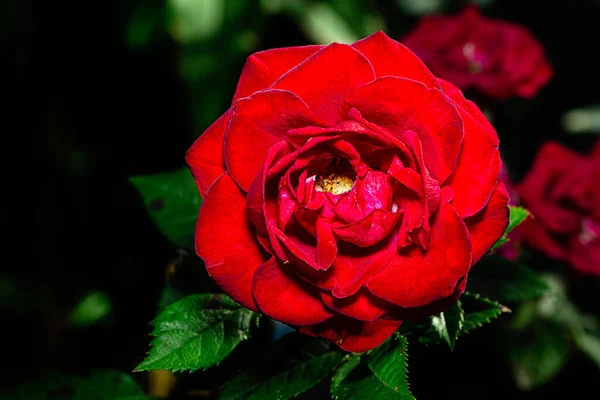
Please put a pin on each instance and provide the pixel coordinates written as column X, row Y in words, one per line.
column 98, row 385
column 294, row 365
column 538, row 354
column 92, row 308
column 517, row 216
column 173, row 202
column 446, row 326
column 590, row 345
column 503, row 280
column 389, row 363
column 489, row 310
column 382, row 378
column 197, row 332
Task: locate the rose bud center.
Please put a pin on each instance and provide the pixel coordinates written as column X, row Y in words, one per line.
column 338, row 178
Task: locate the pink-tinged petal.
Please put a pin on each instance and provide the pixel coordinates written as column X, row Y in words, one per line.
column 415, row 277
column 326, row 244
column 369, row 230
column 225, row 241
column 399, row 105
column 389, row 57
column 373, row 192
column 205, row 157
column 326, row 78
column 362, row 306
column 257, row 123
column 265, row 67
column 479, row 164
column 486, row 227
column 352, row 335
column 287, row 298
column 584, row 250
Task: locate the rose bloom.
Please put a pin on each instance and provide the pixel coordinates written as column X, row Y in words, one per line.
column 346, row 189
column 498, row 58
column 562, row 191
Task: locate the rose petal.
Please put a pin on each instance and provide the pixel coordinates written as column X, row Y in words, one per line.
column 205, row 156
column 479, row 163
column 369, row 230
column 389, row 57
column 225, row 241
column 265, row 67
column 352, row 335
column 486, row 227
column 257, row 123
column 415, row 277
column 362, row 306
column 287, row 298
column 399, row 105
column 326, row 78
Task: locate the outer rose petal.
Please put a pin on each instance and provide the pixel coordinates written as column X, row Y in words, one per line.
column 257, row 123
column 479, row 163
column 265, row 67
column 388, row 57
column 225, row 241
column 205, row 157
column 486, row 227
column 415, row 278
column 325, row 78
column 354, row 336
column 362, row 306
column 399, row 105
column 286, row 298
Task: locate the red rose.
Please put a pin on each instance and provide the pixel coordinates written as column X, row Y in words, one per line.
column 346, row 189
column 498, row 58
column 562, row 191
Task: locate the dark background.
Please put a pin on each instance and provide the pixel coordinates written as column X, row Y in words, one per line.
column 92, row 108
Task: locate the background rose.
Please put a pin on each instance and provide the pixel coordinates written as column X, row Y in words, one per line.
column 346, row 189
column 499, row 58
column 562, row 191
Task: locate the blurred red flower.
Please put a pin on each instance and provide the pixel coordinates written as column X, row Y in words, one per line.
column 498, row 58
column 562, row 191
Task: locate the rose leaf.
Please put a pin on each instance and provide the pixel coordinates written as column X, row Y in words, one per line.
column 384, row 376
column 507, row 281
column 293, row 365
column 197, row 332
column 516, row 218
column 173, row 201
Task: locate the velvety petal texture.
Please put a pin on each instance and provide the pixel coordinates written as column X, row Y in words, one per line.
column 347, row 189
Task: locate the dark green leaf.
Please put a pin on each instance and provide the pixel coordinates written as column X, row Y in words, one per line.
column 98, row 385
column 389, row 364
column 197, row 332
column 294, row 365
column 517, row 216
column 445, row 326
column 503, row 280
column 173, row 201
column 538, row 353
column 383, row 378
column 488, row 310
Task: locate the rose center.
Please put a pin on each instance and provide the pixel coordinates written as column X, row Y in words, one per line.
column 338, row 178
